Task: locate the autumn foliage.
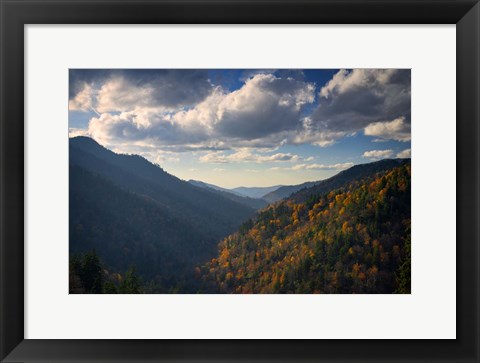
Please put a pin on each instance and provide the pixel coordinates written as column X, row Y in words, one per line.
column 354, row 239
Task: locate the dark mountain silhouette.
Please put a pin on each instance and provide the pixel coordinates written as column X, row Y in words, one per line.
column 236, row 197
column 127, row 229
column 192, row 217
column 297, row 192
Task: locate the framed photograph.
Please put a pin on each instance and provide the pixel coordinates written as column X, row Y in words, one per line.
column 240, row 181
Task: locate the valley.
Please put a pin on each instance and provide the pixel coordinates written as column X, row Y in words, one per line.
column 135, row 228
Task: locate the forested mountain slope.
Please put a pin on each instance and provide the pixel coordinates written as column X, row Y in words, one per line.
column 202, row 208
column 354, row 239
column 336, row 181
column 127, row 229
column 134, row 213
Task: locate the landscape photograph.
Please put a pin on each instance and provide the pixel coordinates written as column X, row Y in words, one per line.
column 239, row 181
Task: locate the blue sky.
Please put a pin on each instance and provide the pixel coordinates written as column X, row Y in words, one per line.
column 246, row 127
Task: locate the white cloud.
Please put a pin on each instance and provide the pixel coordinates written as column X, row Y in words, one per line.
column 118, row 94
column 297, row 167
column 310, row 133
column 249, row 73
column 182, row 110
column 344, row 81
column 397, row 130
column 245, row 155
column 127, row 90
column 82, row 100
column 218, row 169
column 352, row 100
column 146, row 127
column 278, row 168
column 407, row 153
column 322, row 166
column 74, row 132
column 262, row 114
column 378, row 154
column 263, row 106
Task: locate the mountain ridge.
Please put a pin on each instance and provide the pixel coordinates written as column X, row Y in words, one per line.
column 288, row 191
column 200, row 211
column 255, row 203
column 350, row 239
column 255, row 192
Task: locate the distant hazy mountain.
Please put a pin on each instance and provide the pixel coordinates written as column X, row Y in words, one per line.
column 285, row 191
column 174, row 220
column 345, row 176
column 232, row 195
column 255, row 192
column 202, row 184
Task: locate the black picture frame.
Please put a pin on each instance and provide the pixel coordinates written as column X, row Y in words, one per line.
column 15, row 14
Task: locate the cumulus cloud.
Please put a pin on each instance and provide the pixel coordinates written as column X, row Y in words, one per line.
column 149, row 128
column 354, row 99
column 311, row 133
column 378, row 154
column 407, row 153
column 78, row 78
column 397, row 130
column 263, row 106
column 126, row 90
column 120, row 95
column 250, row 73
column 183, row 111
column 82, row 101
column 259, row 114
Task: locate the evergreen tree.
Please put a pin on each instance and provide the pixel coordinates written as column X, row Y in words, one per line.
column 131, row 283
column 91, row 273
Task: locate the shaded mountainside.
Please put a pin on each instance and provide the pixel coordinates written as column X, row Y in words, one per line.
column 128, row 229
column 355, row 172
column 204, row 209
column 255, row 192
column 354, row 239
column 236, row 197
column 132, row 212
